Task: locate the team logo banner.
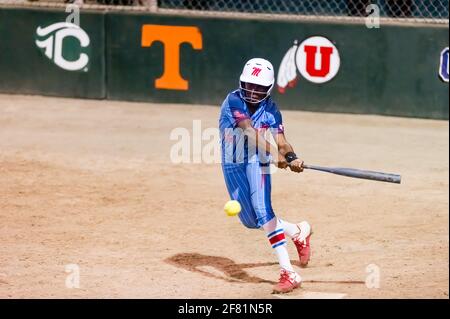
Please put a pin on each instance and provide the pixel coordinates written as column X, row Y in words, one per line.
column 65, row 44
column 316, row 59
column 443, row 66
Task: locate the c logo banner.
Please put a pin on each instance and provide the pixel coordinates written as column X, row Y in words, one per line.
column 53, row 45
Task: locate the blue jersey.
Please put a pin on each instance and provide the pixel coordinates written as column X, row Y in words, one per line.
column 234, row 110
column 245, row 176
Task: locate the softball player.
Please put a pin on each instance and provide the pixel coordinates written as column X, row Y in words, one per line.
column 246, row 116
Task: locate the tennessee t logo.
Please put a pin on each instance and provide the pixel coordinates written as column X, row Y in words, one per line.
column 256, row 71
column 171, row 37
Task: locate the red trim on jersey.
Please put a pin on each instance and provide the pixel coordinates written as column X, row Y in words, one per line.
column 239, row 117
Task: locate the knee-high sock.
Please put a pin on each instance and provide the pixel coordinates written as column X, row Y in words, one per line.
column 289, row 229
column 275, row 234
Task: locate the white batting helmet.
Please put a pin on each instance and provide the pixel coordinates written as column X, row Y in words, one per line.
column 259, row 72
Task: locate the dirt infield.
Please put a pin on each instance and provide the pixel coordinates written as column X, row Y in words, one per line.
column 90, row 183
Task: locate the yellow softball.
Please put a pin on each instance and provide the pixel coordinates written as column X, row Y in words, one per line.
column 232, row 208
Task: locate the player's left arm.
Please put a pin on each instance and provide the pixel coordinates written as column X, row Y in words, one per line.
column 286, row 149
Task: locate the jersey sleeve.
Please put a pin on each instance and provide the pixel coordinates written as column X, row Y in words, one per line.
column 237, row 110
column 277, row 126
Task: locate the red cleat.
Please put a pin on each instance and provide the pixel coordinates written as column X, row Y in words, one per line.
column 302, row 243
column 288, row 282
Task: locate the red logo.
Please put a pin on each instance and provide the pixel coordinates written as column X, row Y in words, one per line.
column 238, row 115
column 325, row 53
column 316, row 59
column 256, row 71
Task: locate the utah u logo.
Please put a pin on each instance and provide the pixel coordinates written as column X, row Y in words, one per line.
column 53, row 41
column 256, row 71
column 316, row 58
column 325, row 53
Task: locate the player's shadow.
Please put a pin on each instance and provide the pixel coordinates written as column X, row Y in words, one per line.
column 228, row 270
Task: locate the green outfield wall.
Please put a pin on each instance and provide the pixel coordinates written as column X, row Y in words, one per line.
column 391, row 70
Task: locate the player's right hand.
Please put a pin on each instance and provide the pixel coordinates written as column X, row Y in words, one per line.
column 296, row 165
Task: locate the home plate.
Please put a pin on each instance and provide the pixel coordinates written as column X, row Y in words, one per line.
column 313, row 295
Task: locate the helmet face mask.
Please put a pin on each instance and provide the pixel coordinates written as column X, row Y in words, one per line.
column 256, row 81
column 254, row 93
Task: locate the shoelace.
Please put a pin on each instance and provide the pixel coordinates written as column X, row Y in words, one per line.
column 301, row 242
column 284, row 276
